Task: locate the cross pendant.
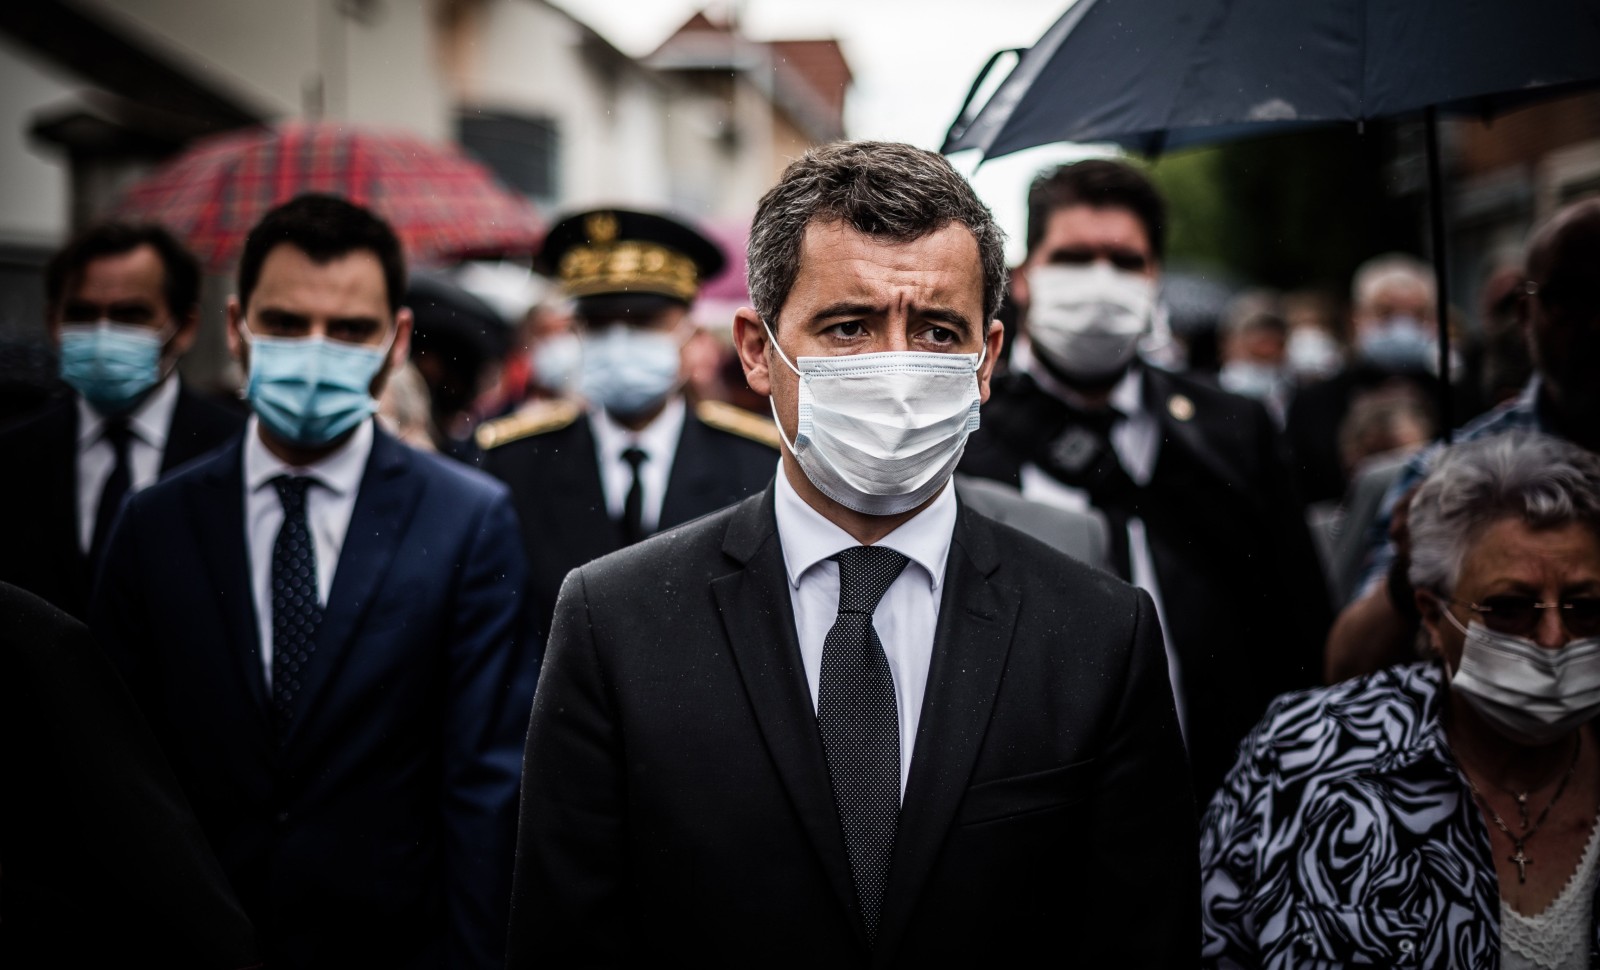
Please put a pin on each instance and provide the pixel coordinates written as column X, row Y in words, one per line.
column 1521, row 862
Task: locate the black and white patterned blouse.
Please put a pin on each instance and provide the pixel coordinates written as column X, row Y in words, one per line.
column 1345, row 834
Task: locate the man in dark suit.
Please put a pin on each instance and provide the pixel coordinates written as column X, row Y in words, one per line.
column 325, row 628
column 639, row 458
column 1201, row 508
column 848, row 722
column 101, row 860
column 123, row 307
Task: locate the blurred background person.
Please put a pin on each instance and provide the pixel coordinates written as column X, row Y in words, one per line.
column 104, row 862
column 1440, row 813
column 1559, row 312
column 588, row 479
column 1505, row 364
column 1255, row 341
column 1314, row 351
column 1201, row 509
column 123, row 305
column 458, row 344
column 1394, row 334
column 404, row 409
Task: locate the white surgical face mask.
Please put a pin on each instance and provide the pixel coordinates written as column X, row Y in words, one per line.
column 1531, row 695
column 1087, row 320
column 882, row 433
column 628, row 370
column 1313, row 354
column 555, row 362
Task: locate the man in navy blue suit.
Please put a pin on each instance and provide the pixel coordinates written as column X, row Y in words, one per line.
column 327, row 630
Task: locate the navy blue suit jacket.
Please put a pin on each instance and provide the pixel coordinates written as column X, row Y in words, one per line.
column 380, row 831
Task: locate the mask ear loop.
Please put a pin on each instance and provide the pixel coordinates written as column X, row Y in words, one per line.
column 772, row 403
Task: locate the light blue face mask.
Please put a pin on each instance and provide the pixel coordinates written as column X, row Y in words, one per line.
column 628, row 371
column 310, row 390
column 1399, row 343
column 111, row 364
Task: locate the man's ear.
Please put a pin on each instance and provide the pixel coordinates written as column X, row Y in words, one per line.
column 188, row 330
column 236, row 341
column 750, row 342
column 993, row 341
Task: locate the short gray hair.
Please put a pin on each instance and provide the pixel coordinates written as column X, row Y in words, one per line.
column 1543, row 481
column 1381, row 271
column 884, row 189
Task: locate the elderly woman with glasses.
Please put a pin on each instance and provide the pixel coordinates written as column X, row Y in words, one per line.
column 1440, row 814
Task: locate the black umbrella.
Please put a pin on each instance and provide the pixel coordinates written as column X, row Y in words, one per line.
column 1154, row 75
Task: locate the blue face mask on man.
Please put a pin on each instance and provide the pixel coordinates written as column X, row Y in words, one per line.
column 111, row 364
column 311, row 390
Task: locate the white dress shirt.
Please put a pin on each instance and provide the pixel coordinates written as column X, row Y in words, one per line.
column 1136, row 438
column 329, row 504
column 149, row 424
column 907, row 615
column 658, row 441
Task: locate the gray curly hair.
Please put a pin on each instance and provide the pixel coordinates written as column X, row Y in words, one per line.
column 883, row 189
column 1543, row 481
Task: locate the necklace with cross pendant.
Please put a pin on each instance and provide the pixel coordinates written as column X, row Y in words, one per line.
column 1520, row 861
column 1519, row 858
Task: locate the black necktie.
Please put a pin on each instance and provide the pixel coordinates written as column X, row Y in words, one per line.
column 860, row 727
column 633, row 505
column 1083, row 456
column 114, row 490
column 296, row 611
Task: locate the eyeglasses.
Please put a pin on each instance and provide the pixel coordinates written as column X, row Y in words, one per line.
column 1579, row 299
column 1520, row 615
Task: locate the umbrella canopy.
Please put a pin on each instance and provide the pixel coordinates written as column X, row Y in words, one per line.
column 443, row 205
column 1161, row 74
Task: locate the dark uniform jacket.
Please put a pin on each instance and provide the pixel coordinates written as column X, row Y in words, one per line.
column 39, row 492
column 547, row 455
column 686, row 816
column 1242, row 591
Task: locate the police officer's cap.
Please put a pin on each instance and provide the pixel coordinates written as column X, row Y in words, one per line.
column 605, row 254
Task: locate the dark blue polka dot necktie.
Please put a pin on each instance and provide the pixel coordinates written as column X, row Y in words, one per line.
column 296, row 611
column 860, row 725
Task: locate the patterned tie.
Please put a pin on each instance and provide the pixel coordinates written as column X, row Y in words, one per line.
column 860, row 727
column 633, row 505
column 296, row 611
column 115, row 490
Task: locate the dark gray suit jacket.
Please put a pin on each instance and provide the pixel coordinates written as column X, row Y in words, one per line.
column 676, row 804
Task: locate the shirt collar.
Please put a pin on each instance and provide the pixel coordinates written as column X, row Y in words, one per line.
column 808, row 537
column 150, row 421
column 339, row 472
column 659, row 437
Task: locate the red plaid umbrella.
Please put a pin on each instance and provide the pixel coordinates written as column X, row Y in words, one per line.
column 443, row 205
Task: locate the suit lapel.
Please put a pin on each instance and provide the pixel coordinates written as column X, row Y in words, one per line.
column 693, row 478
column 976, row 620
column 383, row 506
column 758, row 618
column 220, row 531
column 1180, row 424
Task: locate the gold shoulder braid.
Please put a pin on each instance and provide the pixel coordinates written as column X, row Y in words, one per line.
column 736, row 420
column 535, row 419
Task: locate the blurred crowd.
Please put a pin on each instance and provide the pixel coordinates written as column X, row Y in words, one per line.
column 299, row 629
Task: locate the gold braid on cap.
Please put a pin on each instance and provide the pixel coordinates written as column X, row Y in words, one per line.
column 629, row 266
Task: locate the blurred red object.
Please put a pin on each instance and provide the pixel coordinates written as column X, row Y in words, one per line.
column 443, row 205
